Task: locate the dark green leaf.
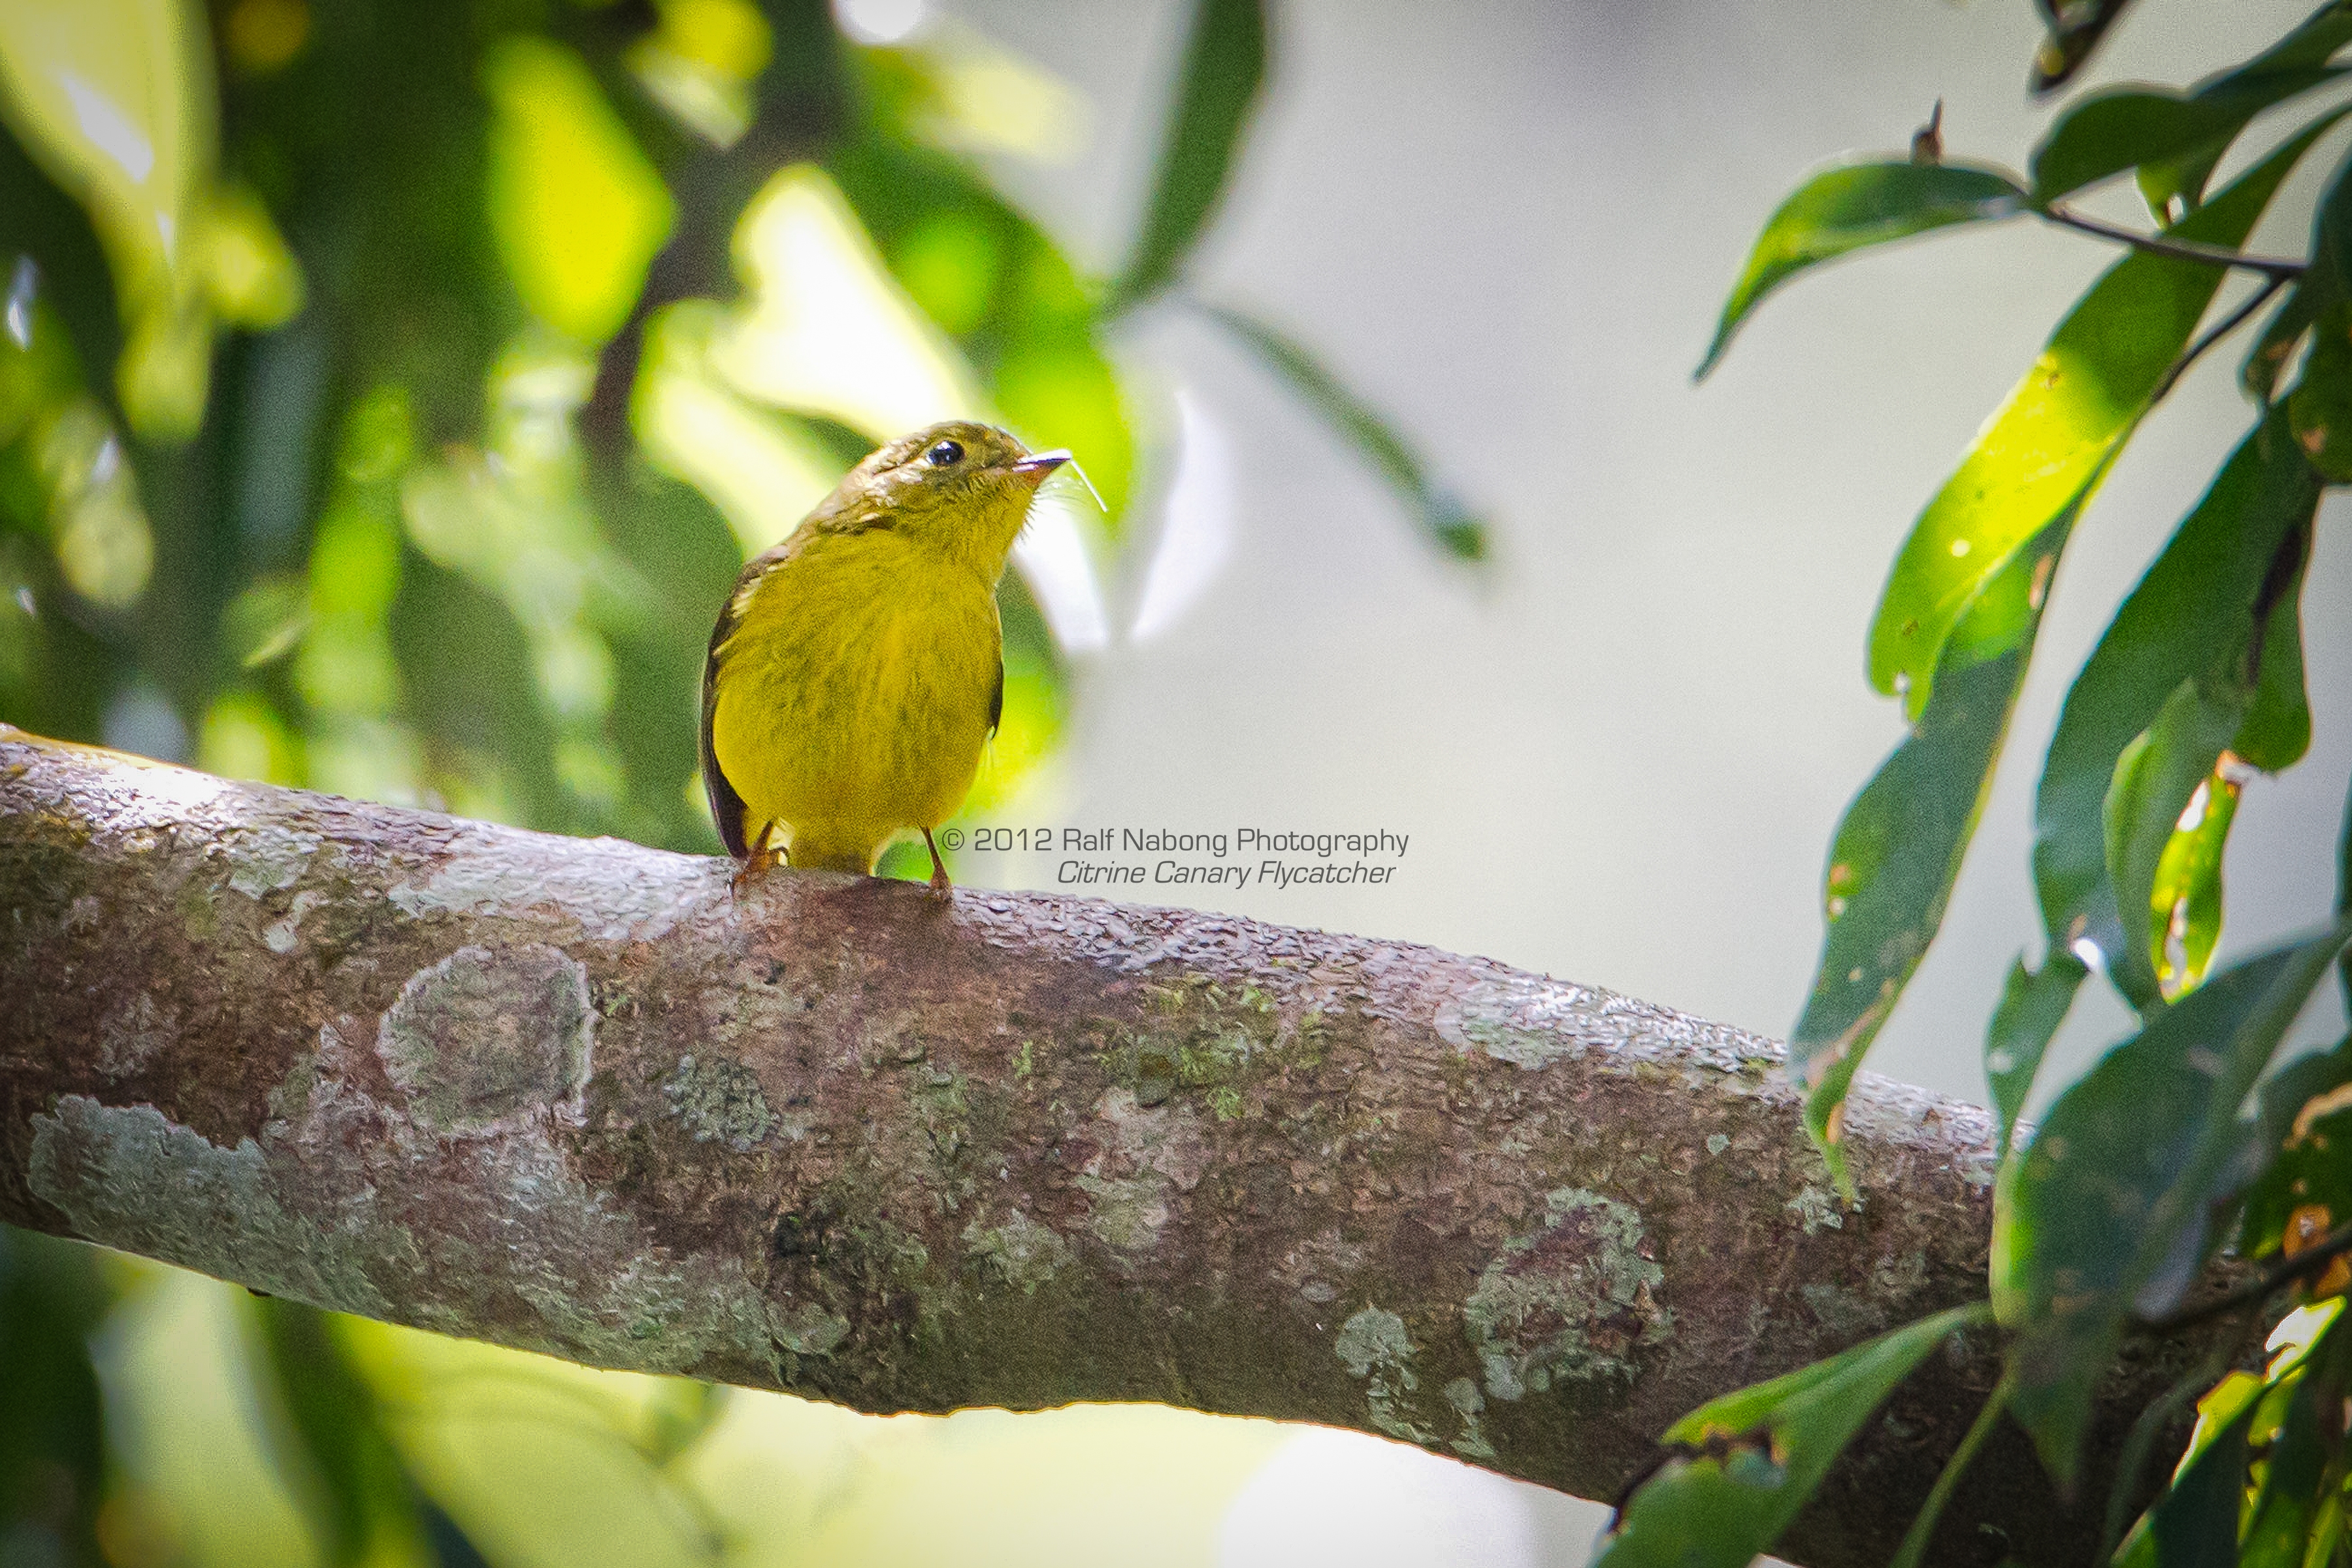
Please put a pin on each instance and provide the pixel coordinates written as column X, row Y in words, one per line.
column 1448, row 524
column 2126, row 128
column 2076, row 28
column 2190, row 619
column 2275, row 348
column 1899, row 846
column 1225, row 64
column 2277, row 729
column 2104, row 1212
column 2307, row 1129
column 1854, row 206
column 2344, row 889
column 345, row 1470
column 2032, row 1004
column 2321, row 404
column 53, row 1452
column 1751, row 1458
column 2195, row 1523
column 2045, row 450
column 2308, row 46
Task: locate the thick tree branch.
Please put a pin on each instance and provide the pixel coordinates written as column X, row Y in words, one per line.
column 1017, row 1150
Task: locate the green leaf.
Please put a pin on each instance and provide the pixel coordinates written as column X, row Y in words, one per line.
column 2104, row 1212
column 2298, row 1464
column 2190, row 619
column 1751, row 1458
column 1854, row 206
column 2176, row 138
column 2126, row 128
column 2155, row 778
column 1900, row 848
column 2344, row 889
column 2196, row 1520
column 2320, row 293
column 1445, row 519
column 2185, row 899
column 2306, row 1129
column 2320, row 406
column 2277, row 729
column 1224, row 66
column 2045, row 450
column 2032, row 1004
column 345, row 1470
column 2076, row 28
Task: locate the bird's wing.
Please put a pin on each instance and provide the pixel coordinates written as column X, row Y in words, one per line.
column 996, row 698
column 726, row 805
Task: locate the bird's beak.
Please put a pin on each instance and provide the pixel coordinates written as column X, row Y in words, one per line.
column 1037, row 464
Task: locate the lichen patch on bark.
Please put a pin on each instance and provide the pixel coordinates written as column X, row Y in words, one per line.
column 1571, row 1300
column 720, row 1101
column 483, row 1034
column 1374, row 1345
column 148, row 1185
column 1142, row 1154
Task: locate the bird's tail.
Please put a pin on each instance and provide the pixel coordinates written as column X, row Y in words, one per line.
column 815, row 849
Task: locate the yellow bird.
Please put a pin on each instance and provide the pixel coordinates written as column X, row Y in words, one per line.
column 857, row 668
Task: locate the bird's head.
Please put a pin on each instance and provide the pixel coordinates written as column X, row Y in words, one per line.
column 960, row 487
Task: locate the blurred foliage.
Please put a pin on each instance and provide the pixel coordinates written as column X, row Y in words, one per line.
column 389, row 395
column 2147, row 1164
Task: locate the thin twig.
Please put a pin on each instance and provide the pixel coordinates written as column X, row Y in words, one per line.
column 1922, row 1524
column 2221, row 329
column 2334, row 1245
column 2167, row 244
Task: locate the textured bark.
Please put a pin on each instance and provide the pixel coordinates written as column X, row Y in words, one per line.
column 843, row 1139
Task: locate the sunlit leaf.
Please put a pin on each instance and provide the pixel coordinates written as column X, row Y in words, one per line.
column 2104, row 1213
column 2195, row 1523
column 2184, row 896
column 1751, row 1460
column 2156, row 780
column 2034, row 1004
column 1217, row 87
column 2297, row 1459
column 1899, row 846
column 2190, row 619
column 986, row 273
column 2045, row 449
column 1848, row 208
column 828, row 330
column 115, row 97
column 1445, row 519
column 577, row 211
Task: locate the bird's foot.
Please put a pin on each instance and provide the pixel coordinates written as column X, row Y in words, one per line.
column 747, row 872
column 942, row 889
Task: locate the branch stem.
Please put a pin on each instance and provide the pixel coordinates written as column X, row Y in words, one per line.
column 2221, row 329
column 2285, row 1272
column 2167, row 245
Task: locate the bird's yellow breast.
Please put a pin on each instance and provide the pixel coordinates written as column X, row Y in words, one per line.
column 852, row 701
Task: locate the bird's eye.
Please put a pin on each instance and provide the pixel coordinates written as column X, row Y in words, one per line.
column 945, row 454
